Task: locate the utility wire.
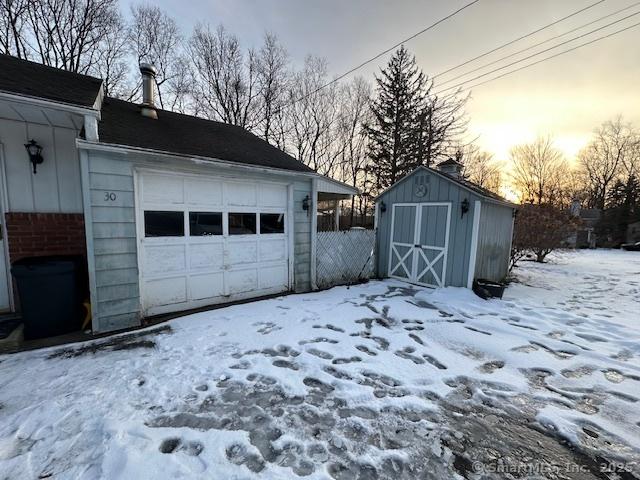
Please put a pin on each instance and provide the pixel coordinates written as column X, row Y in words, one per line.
column 536, row 54
column 550, row 57
column 538, row 44
column 358, row 67
column 518, row 39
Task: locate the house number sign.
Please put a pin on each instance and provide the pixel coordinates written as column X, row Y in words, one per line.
column 110, row 196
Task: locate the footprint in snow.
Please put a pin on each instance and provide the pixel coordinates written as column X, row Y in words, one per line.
column 320, row 353
column 491, row 367
column 407, row 352
column 366, row 350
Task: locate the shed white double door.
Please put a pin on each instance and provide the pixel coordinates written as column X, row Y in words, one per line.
column 420, row 242
column 203, row 240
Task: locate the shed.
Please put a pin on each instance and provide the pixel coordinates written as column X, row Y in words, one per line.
column 436, row 229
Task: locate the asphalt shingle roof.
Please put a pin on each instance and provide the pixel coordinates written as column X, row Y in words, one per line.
column 123, row 124
column 35, row 80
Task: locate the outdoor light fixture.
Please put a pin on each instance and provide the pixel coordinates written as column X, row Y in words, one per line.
column 35, row 153
column 306, row 203
column 383, row 207
column 464, row 207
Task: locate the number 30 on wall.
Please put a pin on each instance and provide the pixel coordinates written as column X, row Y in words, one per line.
column 110, row 196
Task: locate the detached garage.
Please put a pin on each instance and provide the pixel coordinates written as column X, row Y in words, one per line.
column 436, row 229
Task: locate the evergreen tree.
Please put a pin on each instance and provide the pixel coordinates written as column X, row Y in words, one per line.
column 411, row 126
column 393, row 140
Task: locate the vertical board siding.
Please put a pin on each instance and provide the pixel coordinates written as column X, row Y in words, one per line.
column 56, row 188
column 438, row 190
column 494, row 242
column 115, row 261
column 302, row 237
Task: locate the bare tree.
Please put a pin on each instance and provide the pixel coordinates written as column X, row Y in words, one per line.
column 12, row 27
column 225, row 77
column 313, row 115
column 66, row 33
column 441, row 121
column 155, row 38
column 538, row 170
column 612, row 150
column 110, row 62
column 481, row 168
column 354, row 115
column 272, row 77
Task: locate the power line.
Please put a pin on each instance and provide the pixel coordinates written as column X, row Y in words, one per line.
column 551, row 56
column 534, row 54
column 519, row 38
column 358, row 67
column 540, row 43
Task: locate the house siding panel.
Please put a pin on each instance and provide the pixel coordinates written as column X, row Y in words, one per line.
column 56, row 188
column 494, row 242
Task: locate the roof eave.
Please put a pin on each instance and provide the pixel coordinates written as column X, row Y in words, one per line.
column 117, row 148
column 47, row 103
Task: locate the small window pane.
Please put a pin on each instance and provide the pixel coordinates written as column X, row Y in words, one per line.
column 205, row 223
column 163, row 224
column 272, row 223
column 242, row 223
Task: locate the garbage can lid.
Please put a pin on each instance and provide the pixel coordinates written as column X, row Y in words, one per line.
column 41, row 266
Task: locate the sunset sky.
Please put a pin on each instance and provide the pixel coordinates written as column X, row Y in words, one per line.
column 566, row 97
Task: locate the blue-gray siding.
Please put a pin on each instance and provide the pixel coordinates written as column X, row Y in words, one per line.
column 494, row 242
column 438, row 190
column 111, row 231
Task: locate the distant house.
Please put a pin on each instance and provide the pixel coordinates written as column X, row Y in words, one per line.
column 584, row 236
column 633, row 232
column 171, row 212
column 437, row 229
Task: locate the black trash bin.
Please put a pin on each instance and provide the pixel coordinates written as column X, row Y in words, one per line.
column 50, row 296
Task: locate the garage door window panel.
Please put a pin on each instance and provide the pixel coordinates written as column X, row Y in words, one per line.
column 242, row 223
column 203, row 224
column 271, row 223
column 160, row 223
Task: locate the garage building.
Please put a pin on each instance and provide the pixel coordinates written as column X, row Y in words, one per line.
column 171, row 212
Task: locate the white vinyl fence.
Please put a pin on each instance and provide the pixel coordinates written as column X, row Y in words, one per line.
column 344, row 257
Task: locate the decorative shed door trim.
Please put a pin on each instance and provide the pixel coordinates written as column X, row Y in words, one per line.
column 409, row 261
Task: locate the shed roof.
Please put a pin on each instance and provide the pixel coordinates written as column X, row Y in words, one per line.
column 32, row 79
column 473, row 187
column 122, row 124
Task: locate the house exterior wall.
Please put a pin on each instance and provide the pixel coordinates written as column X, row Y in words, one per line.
column 39, row 234
column 494, row 242
column 111, row 229
column 56, row 188
column 438, row 190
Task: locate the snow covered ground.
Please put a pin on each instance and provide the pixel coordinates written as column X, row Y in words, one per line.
column 381, row 380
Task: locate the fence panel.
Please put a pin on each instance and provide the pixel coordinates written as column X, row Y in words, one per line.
column 344, row 257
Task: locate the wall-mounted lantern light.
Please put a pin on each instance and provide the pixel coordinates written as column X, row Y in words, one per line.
column 35, row 153
column 306, row 204
column 383, row 207
column 464, row 207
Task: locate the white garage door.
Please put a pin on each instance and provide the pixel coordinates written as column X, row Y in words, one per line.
column 206, row 240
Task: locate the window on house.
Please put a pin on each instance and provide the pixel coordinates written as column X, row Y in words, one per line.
column 203, row 224
column 272, row 223
column 163, row 224
column 242, row 223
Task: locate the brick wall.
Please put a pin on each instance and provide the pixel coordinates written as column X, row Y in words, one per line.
column 37, row 234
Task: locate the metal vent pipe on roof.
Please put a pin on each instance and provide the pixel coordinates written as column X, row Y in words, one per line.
column 148, row 106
